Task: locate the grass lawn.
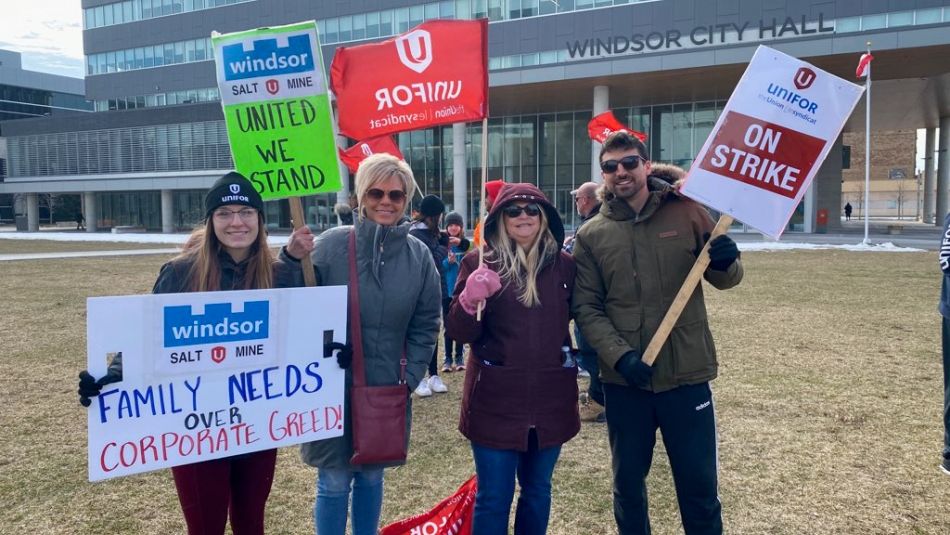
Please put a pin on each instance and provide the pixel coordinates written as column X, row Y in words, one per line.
column 828, row 403
column 51, row 246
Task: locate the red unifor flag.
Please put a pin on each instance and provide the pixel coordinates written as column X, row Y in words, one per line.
column 863, row 64
column 452, row 516
column 605, row 124
column 352, row 156
column 437, row 73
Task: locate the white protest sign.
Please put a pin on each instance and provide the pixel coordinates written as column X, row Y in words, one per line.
column 211, row 375
column 770, row 140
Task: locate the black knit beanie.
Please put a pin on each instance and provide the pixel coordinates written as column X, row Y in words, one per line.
column 431, row 206
column 232, row 188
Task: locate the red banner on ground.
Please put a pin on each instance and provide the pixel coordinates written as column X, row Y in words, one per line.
column 437, row 73
column 352, row 156
column 605, row 124
column 453, row 516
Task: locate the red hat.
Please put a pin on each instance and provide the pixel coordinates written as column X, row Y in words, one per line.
column 492, row 187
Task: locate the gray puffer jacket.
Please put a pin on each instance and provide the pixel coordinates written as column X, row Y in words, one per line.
column 400, row 307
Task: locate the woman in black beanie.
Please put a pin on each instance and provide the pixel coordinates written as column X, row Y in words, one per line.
column 228, row 252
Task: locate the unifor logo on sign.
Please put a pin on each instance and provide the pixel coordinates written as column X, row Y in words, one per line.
column 267, row 57
column 217, row 325
column 415, row 50
column 804, row 77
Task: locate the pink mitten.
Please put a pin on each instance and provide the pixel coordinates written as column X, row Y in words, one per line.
column 481, row 284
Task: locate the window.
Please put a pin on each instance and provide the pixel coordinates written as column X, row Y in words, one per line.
column 402, row 20
column 530, row 8
column 873, row 22
column 432, row 10
column 848, row 24
column 359, row 26
column 179, row 52
column 190, row 51
column 495, row 10
column 169, row 53
column 127, row 12
column 904, row 18
column 148, row 57
column 372, row 25
column 201, row 53
column 463, row 9
column 146, row 9
column 346, row 28
column 107, row 21
column 447, row 9
column 386, row 23
column 416, row 16
column 333, row 29
column 925, row 16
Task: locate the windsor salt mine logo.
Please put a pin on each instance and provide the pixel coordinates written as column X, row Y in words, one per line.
column 415, row 50
column 268, row 58
column 217, row 325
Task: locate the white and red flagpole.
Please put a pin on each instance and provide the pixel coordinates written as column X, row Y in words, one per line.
column 864, row 69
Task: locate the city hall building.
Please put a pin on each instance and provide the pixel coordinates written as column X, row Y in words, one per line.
column 665, row 67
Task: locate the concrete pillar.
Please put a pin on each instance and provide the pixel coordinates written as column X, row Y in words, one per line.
column 601, row 104
column 460, row 174
column 32, row 212
column 930, row 141
column 825, row 191
column 168, row 212
column 943, row 169
column 90, row 210
column 810, row 209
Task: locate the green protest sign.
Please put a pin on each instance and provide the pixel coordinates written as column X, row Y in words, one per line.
column 277, row 109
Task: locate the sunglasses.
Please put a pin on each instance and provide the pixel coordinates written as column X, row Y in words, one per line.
column 395, row 195
column 628, row 162
column 514, row 210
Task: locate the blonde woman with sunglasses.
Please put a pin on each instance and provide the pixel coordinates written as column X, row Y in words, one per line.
column 400, row 306
column 519, row 403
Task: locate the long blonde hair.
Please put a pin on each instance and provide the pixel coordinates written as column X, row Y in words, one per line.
column 202, row 250
column 521, row 266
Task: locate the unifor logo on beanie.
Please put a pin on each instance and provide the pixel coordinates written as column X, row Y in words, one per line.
column 235, row 188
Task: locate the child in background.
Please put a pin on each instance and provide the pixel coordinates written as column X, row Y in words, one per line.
column 458, row 246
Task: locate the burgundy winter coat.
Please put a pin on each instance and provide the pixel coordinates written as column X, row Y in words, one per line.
column 523, row 384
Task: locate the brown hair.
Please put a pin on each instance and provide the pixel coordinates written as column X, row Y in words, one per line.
column 622, row 141
column 202, row 250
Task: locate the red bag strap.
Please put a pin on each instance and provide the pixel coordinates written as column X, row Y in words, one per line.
column 356, row 329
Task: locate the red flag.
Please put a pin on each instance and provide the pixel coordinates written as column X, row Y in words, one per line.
column 437, row 73
column 863, row 64
column 453, row 516
column 605, row 124
column 352, row 156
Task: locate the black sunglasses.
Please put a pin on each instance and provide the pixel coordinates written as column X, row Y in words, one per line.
column 395, row 195
column 628, row 162
column 514, row 210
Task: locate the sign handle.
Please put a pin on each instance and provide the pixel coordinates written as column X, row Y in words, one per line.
column 296, row 212
column 482, row 214
column 686, row 291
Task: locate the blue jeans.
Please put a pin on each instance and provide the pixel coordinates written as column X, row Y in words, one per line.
column 496, row 470
column 945, row 323
column 333, row 496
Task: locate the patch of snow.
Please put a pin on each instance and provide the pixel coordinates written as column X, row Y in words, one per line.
column 886, row 247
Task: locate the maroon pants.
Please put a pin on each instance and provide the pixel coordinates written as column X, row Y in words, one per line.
column 209, row 490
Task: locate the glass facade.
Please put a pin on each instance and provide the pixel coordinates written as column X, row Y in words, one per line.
column 146, row 57
column 171, row 98
column 133, row 10
column 21, row 102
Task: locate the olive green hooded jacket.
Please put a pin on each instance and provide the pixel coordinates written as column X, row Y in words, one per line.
column 629, row 268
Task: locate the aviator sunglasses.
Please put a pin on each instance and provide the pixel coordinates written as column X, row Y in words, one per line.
column 628, row 162
column 514, row 210
column 395, row 195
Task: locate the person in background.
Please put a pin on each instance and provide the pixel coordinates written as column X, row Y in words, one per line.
column 847, row 211
column 400, row 309
column 80, row 221
column 944, row 309
column 458, row 246
column 425, row 228
column 344, row 212
column 519, row 403
column 229, row 252
column 492, row 187
column 632, row 258
column 587, row 205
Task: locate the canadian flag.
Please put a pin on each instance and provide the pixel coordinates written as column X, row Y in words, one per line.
column 863, row 65
column 352, row 156
column 605, row 124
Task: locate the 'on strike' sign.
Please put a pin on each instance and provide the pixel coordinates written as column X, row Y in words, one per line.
column 770, row 140
column 212, row 375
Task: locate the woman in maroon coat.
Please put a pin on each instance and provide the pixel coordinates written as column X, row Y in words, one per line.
column 519, row 403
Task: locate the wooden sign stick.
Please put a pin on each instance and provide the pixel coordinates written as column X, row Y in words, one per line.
column 686, row 291
column 296, row 212
column 482, row 213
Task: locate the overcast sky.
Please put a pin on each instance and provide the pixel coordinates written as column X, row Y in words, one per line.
column 47, row 32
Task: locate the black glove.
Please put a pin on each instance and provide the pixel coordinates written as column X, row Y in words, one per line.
column 344, row 355
column 634, row 370
column 723, row 252
column 89, row 386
